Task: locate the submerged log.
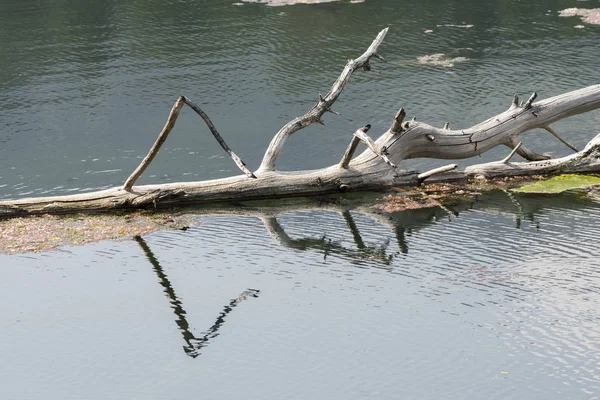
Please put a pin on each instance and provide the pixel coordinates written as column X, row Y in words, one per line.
column 374, row 169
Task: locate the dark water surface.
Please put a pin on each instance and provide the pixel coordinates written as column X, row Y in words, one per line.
column 498, row 299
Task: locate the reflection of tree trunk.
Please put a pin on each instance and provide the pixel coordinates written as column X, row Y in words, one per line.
column 194, row 344
column 362, row 253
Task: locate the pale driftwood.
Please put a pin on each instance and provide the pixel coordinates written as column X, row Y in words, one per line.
column 556, row 135
column 374, row 169
column 162, row 137
column 323, row 105
column 421, row 177
column 587, row 160
column 237, row 160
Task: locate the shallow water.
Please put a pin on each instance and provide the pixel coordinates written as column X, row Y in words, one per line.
column 495, row 299
column 498, row 299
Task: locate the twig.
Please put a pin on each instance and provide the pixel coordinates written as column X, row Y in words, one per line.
column 238, row 161
column 552, row 131
column 506, row 159
column 421, row 177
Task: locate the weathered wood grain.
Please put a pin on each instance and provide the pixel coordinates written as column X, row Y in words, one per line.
column 374, row 169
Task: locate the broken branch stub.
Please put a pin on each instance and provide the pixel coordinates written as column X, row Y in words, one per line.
column 363, row 137
column 397, row 123
column 352, row 147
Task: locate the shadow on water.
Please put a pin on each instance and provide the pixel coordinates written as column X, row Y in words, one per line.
column 194, row 344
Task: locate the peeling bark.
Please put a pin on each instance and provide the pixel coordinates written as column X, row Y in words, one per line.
column 374, row 169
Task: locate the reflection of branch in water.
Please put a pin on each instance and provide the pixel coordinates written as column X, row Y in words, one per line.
column 194, row 344
column 399, row 231
column 362, row 253
column 277, row 231
column 353, row 228
column 404, row 223
column 530, row 216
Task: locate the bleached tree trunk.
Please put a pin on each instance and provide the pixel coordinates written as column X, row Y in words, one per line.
column 374, row 169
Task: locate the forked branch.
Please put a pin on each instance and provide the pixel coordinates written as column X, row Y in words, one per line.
column 417, row 139
column 162, row 137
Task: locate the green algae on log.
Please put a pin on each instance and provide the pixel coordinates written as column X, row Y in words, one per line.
column 559, row 184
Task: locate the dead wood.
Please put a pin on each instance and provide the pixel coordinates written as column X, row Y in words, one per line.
column 374, row 169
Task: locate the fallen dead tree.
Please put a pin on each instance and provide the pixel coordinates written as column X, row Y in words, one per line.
column 374, row 169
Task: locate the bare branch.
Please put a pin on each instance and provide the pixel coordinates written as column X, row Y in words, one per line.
column 238, row 161
column 506, row 159
column 421, row 177
column 556, row 135
column 323, row 105
column 373, row 147
column 352, row 148
column 162, row 136
column 423, row 140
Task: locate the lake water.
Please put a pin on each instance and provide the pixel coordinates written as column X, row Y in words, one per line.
column 497, row 298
